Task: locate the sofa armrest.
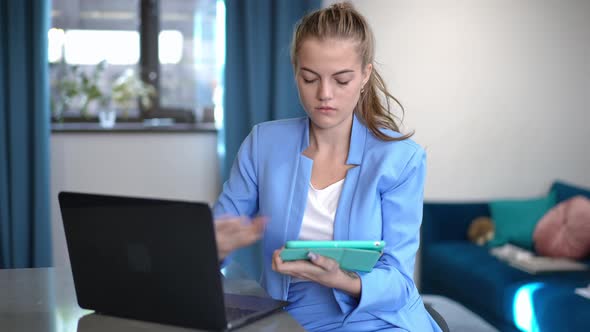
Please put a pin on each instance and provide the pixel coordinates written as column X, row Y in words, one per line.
column 449, row 221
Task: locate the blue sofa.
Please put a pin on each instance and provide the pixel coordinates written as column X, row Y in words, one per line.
column 508, row 298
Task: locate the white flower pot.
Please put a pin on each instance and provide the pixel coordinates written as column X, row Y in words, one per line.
column 107, row 118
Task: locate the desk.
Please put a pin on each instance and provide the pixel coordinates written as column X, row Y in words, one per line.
column 45, row 300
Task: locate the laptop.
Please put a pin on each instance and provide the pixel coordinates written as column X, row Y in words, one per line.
column 153, row 260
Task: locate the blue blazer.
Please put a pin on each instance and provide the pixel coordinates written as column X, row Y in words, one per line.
column 381, row 198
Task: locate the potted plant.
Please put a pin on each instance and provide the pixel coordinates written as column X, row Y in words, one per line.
column 90, row 89
column 127, row 88
column 76, row 89
column 65, row 90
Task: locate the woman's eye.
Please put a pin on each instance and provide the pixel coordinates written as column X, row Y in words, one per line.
column 309, row 81
column 342, row 83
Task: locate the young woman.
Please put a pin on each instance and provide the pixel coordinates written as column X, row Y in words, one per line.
column 343, row 172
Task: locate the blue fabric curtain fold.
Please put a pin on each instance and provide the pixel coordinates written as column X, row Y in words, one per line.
column 25, row 231
column 258, row 79
column 259, row 82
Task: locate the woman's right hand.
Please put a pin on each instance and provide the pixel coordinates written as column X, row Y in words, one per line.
column 232, row 233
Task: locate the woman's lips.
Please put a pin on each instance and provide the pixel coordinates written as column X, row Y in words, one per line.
column 325, row 108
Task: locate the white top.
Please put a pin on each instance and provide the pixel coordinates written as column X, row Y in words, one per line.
column 318, row 218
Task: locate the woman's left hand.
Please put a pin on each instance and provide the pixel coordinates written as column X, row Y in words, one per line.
column 320, row 269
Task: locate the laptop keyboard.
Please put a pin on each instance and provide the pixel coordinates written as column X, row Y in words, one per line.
column 237, row 313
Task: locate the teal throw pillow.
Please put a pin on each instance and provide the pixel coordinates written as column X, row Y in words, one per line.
column 515, row 220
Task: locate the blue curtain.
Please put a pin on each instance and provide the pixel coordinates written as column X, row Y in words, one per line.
column 258, row 79
column 25, row 231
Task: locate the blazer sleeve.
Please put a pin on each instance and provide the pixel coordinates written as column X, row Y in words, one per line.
column 390, row 286
column 239, row 196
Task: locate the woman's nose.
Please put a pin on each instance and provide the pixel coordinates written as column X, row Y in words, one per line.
column 324, row 91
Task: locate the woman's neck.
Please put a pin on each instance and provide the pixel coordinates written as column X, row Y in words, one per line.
column 332, row 141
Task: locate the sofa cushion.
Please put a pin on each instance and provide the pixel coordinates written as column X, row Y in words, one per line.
column 449, row 221
column 515, row 220
column 566, row 191
column 565, row 230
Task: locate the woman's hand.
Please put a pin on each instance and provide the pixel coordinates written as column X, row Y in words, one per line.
column 320, row 269
column 232, row 233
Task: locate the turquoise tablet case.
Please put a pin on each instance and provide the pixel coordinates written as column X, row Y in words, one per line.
column 362, row 260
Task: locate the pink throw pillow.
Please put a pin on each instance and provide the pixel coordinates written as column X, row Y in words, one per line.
column 564, row 231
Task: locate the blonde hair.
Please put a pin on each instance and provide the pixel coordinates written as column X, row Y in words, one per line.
column 342, row 21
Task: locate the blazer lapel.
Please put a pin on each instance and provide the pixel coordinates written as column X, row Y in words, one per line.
column 302, row 177
column 345, row 208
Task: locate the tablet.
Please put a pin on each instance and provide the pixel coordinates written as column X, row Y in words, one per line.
column 350, row 255
column 370, row 245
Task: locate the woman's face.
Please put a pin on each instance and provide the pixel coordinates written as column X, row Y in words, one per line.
column 329, row 79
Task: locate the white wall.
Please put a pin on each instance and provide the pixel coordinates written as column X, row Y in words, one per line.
column 498, row 91
column 160, row 165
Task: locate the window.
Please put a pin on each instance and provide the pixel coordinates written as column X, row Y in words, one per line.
column 177, row 46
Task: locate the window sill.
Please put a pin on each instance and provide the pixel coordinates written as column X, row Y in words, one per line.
column 132, row 127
